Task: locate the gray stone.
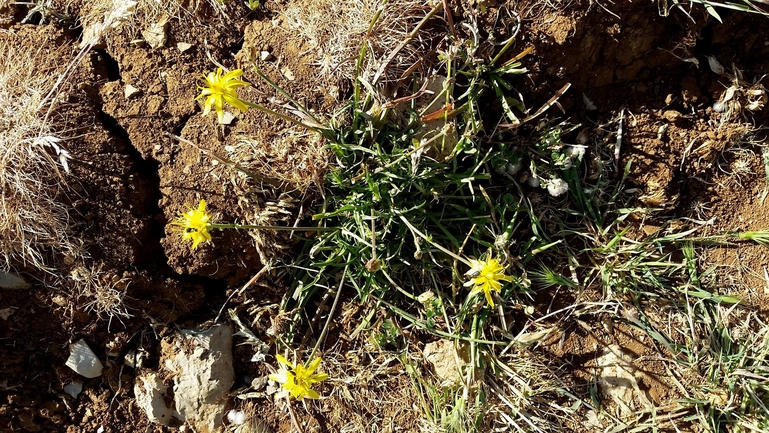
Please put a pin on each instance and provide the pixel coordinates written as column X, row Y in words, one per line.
column 12, row 281
column 200, row 364
column 151, row 396
column 73, row 389
column 157, row 34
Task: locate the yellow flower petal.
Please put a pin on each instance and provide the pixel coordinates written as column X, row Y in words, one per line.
column 195, row 225
column 235, row 73
column 220, row 89
column 297, row 379
column 282, row 359
column 486, row 276
column 313, row 366
column 235, row 102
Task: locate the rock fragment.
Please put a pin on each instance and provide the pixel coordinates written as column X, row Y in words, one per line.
column 5, row 313
column 228, row 118
column 83, row 361
column 12, row 281
column 151, row 397
column 183, row 47
column 157, row 34
column 445, row 361
column 618, row 380
column 73, row 389
column 130, row 91
column 202, row 372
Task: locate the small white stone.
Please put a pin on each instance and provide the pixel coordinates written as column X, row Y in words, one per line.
column 288, row 73
column 83, row 361
column 266, row 55
column 130, row 91
column 183, row 47
column 228, row 118
column 73, row 389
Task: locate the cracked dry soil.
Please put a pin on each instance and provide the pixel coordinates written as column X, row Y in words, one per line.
column 130, row 178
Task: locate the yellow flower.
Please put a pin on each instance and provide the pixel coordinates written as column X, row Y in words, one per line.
column 195, row 225
column 221, row 89
column 297, row 380
column 485, row 276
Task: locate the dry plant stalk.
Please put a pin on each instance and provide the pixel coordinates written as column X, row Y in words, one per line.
column 338, row 46
column 33, row 224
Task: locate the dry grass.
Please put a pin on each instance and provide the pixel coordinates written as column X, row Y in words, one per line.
column 104, row 293
column 145, row 13
column 338, row 46
column 36, row 232
column 299, row 159
column 371, row 391
column 34, row 226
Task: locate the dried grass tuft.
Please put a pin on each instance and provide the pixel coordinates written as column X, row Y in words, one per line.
column 33, row 224
column 338, row 45
column 361, row 377
column 145, row 13
column 297, row 158
column 104, row 293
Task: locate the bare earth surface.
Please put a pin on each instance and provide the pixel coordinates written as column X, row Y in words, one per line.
column 130, row 177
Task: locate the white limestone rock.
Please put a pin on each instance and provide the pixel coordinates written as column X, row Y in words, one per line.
column 83, row 361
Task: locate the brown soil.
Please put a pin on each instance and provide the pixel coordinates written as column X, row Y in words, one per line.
column 130, row 178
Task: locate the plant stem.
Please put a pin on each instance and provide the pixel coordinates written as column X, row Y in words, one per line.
column 408, row 39
column 260, row 227
column 264, row 109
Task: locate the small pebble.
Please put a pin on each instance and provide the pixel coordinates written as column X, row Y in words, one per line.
column 12, row 281
column 73, row 389
column 183, row 46
column 83, row 361
column 130, row 91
